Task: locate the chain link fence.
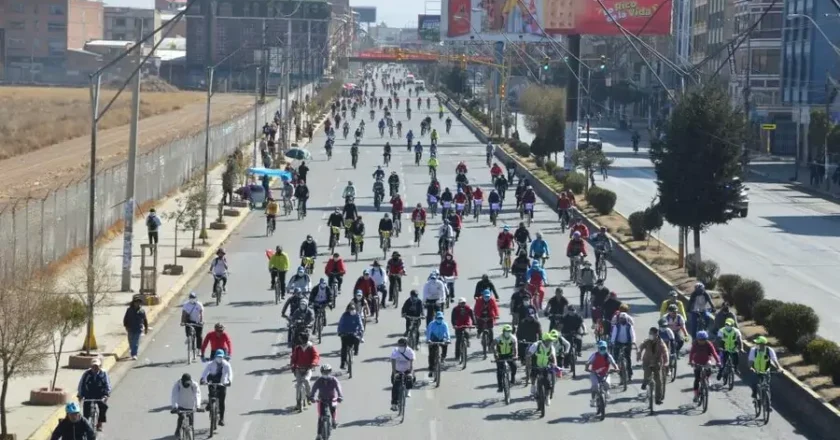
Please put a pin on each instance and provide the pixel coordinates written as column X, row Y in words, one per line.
column 43, row 230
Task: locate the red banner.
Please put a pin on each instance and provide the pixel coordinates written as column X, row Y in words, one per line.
column 646, row 17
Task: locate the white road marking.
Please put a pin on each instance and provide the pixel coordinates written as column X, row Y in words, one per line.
column 416, row 281
column 263, row 380
column 414, row 262
column 629, row 432
column 432, row 429
column 243, row 434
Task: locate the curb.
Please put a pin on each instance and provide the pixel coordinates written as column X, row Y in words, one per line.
column 153, row 314
column 792, row 394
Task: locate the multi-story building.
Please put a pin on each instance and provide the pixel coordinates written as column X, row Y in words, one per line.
column 39, row 34
column 808, row 59
column 759, row 57
column 170, row 5
column 237, row 33
column 126, row 24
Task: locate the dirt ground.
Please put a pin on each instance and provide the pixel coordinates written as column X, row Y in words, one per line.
column 34, row 173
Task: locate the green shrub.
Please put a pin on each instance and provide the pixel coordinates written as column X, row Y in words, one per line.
column 690, row 267
column 726, row 285
column 802, row 344
column 707, row 273
column 603, row 200
column 550, row 166
column 764, row 308
column 653, row 220
column 814, row 352
column 574, row 182
column 637, row 225
column 829, row 363
column 791, row 321
column 745, row 295
column 521, row 148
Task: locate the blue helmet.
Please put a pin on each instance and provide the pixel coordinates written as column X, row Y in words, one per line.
column 72, row 408
column 439, row 316
column 702, row 335
column 602, row 346
column 220, row 353
column 486, row 293
column 506, row 228
column 535, row 264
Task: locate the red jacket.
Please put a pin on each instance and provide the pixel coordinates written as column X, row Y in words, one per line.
column 461, row 168
column 396, row 204
column 580, row 227
column 496, row 170
column 460, row 198
column 505, row 240
column 477, row 194
column 455, row 221
column 702, row 354
column 462, row 316
column 448, row 268
column 335, row 266
column 396, row 267
column 216, row 342
column 305, row 357
column 418, row 215
column 529, row 197
column 490, row 307
column 575, row 247
column 367, row 286
column 564, row 203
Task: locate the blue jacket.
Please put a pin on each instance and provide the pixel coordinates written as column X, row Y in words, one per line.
column 437, row 332
column 539, row 247
column 350, row 325
column 94, row 385
column 539, row 270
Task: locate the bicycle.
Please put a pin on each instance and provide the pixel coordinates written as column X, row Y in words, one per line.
column 505, row 378
column 728, row 374
column 463, row 343
column 445, row 207
column 438, row 361
column 287, row 206
column 301, row 399
column 278, row 291
column 309, row 264
column 214, row 406
column 93, row 418
column 357, row 241
column 186, row 428
column 528, row 210
column 320, row 321
column 601, row 396
column 335, row 235
column 400, row 381
column 386, row 243
column 301, row 210
column 324, row 419
column 703, row 394
column 651, row 388
column 601, row 267
column 527, row 361
column 506, row 262
column 418, row 231
column 395, row 287
column 574, row 268
column 623, row 365
column 349, row 360
column 476, row 209
column 354, row 160
column 397, row 224
column 673, row 357
column 762, row 400
column 573, row 354
column 543, row 389
column 413, row 331
column 270, row 226
column 377, row 201
column 494, row 212
column 218, row 289
column 191, row 348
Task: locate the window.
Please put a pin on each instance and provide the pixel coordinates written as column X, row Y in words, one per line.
column 17, row 42
column 19, row 8
column 148, row 25
column 56, row 27
column 57, row 47
column 56, row 10
column 118, row 37
column 17, row 25
column 119, row 22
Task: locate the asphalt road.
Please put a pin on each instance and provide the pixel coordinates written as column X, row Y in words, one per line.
column 789, row 241
column 261, row 399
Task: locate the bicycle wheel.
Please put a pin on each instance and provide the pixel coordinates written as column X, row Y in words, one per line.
column 484, row 343
column 186, row 431
column 673, row 367
column 350, row 362
column 624, row 376
column 542, row 395
column 602, row 269
column 462, row 346
column 437, row 368
column 299, row 399
column 325, row 426
column 319, row 326
column 650, row 392
column 402, row 403
column 212, row 417
column 704, row 396
column 601, row 405
column 765, row 399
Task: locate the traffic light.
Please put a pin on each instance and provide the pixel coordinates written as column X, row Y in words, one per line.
column 502, row 90
column 603, row 65
column 545, row 62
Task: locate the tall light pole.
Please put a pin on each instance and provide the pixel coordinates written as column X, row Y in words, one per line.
column 130, row 181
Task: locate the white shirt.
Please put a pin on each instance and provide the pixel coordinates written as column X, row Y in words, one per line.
column 186, row 398
column 219, row 266
column 378, row 275
column 446, row 231
column 403, row 359
column 434, row 290
column 349, row 191
column 213, row 368
column 194, row 310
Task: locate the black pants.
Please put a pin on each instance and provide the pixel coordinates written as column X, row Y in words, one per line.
column 583, row 290
column 727, row 357
column 396, row 286
column 348, row 342
column 103, row 410
column 698, row 370
column 598, row 256
column 459, row 334
column 628, row 350
column 279, row 276
column 302, row 205
column 433, row 349
column 499, row 370
column 198, row 329
column 395, row 388
column 220, row 393
column 216, row 280
column 338, row 278
column 153, row 239
column 180, row 419
column 432, row 307
column 227, row 196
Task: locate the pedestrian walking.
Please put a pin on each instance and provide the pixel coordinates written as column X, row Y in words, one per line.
column 152, row 226
column 135, row 324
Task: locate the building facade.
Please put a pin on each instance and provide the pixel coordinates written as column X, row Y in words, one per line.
column 38, row 33
column 126, row 24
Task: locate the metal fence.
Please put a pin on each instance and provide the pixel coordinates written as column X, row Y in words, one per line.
column 44, row 230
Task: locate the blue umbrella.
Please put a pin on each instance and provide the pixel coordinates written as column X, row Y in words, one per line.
column 298, row 153
column 271, row 172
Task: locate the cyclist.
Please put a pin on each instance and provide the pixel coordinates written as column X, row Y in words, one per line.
column 433, row 190
column 377, row 274
column 434, row 135
column 653, row 354
column 477, row 197
column 586, row 281
column 336, row 219
column 537, row 279
column 510, row 166
column 544, row 356
column 461, row 168
column 572, row 329
column 399, row 128
column 74, row 426
column 539, row 248
column 218, row 339
column 379, row 174
column 411, row 308
column 673, row 299
column 505, row 349
column 494, row 199
column 485, row 284
column 402, row 362
column 328, row 388
column 529, row 328
column 555, row 308
column 446, row 236
column 218, row 372
column 186, row 395
column 495, row 172
column 761, row 359
column 676, row 323
column 302, row 194
column 522, row 237
column 320, row 296
column 271, row 210
column 601, row 242
column 564, row 204
column 579, row 227
column 449, row 269
column 528, row 197
column 623, row 337
column 419, row 215
column 576, row 246
column 304, row 359
column 437, row 331
column 487, row 310
column 349, row 192
column 504, row 241
column 395, row 269
column 300, row 280
column 94, row 385
column 394, row 182
column 434, row 293
column 357, row 229
column 418, row 151
column 488, row 150
column 385, row 225
column 600, row 364
column 288, row 192
column 367, row 286
column 433, row 164
column 501, row 184
column 701, row 354
column 278, row 265
column 308, row 249
column 701, row 308
column 462, row 316
column 448, row 124
column 335, row 270
column 192, row 312
column 732, row 343
column 302, row 318
column 519, row 267
column 219, row 269
column 456, row 223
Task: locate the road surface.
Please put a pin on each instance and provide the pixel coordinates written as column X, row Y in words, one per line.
column 466, row 406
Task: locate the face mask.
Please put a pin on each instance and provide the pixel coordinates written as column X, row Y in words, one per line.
column 325, row 374
column 353, row 313
column 218, row 360
column 193, row 300
column 185, row 384
column 401, row 349
column 651, row 337
column 602, row 350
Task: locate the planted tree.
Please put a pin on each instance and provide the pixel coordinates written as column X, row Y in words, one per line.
column 545, row 116
column 590, row 160
column 70, row 315
column 696, row 161
column 191, row 202
column 26, row 328
column 92, row 284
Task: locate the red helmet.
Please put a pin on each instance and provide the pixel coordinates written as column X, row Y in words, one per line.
column 613, row 295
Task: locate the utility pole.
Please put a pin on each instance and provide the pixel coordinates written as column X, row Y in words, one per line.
column 287, row 55
column 96, row 83
column 210, row 71
column 256, row 108
column 572, row 100
column 747, row 92
column 128, row 219
column 830, row 95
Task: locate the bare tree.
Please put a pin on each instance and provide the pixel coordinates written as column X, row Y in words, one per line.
column 70, row 314
column 92, row 284
column 26, row 328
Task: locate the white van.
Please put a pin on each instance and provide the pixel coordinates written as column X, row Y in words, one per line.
column 420, row 84
column 409, row 79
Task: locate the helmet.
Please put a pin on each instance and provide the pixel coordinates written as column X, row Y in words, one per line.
column 624, row 308
column 699, row 285
column 220, row 353
column 761, row 340
column 547, row 337
column 219, row 326
column 365, row 272
column 358, row 294
column 326, row 369
column 674, row 294
column 462, row 300
column 386, row 216
column 433, row 274
column 571, row 310
column 507, row 328
column 663, row 322
column 539, row 234
column 438, row 316
column 702, row 335
column 506, row 228
column 576, row 234
column 554, row 334
column 535, row 263
column 623, row 316
column 72, row 408
column 602, row 346
column 729, row 322
column 673, row 308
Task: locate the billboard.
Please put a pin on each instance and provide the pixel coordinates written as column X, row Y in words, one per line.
column 428, row 27
column 367, row 14
column 525, row 20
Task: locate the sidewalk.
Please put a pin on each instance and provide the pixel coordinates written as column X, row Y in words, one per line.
column 37, row 422
column 776, row 169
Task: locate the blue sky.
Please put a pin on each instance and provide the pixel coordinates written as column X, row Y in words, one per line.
column 397, row 13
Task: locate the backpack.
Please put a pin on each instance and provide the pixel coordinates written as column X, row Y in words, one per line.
column 151, row 223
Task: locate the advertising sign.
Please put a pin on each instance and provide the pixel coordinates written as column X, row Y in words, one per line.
column 428, row 27
column 367, row 14
column 531, row 20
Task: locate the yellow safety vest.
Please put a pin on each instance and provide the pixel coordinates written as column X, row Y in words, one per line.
column 730, row 338
column 505, row 346
column 543, row 355
column 762, row 359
